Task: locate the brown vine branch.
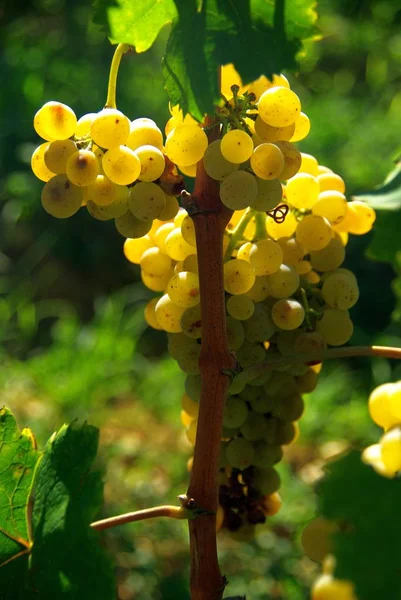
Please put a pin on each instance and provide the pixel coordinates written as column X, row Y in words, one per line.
column 316, row 357
column 210, row 219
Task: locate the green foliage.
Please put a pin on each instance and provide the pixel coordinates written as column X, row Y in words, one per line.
column 65, row 556
column 367, row 507
column 18, row 459
column 386, row 196
column 258, row 38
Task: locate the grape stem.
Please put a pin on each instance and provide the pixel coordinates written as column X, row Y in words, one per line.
column 238, row 232
column 210, row 220
column 115, row 65
column 316, row 357
column 260, row 222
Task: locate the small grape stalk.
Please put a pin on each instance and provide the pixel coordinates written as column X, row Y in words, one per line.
column 271, row 279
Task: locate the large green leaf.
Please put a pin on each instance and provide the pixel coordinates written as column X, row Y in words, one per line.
column 18, row 458
column 368, row 506
column 135, row 22
column 386, row 242
column 258, row 36
column 386, row 196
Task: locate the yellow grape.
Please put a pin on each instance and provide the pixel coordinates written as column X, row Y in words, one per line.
column 331, row 181
column 186, row 144
column 266, row 257
column 121, row 165
column 146, row 201
column 134, row 248
column 332, row 205
column 329, row 258
column 188, row 230
column 293, row 251
column 380, row 406
column 38, row 164
column 390, row 443
column 236, row 146
column 175, row 245
column 361, row 219
column 244, row 250
column 288, row 314
column 239, row 276
column 144, row 131
column 340, row 290
column 161, row 234
column 316, row 538
column 240, row 307
column 267, row 161
column 270, row 194
column 326, row 587
column 131, row 227
column 267, row 133
column 110, row 128
column 302, row 128
column 335, row 326
column 102, row 191
column 309, row 164
column 190, row 263
column 183, row 289
column 57, row 154
column 170, row 210
column 292, row 159
column 152, row 162
column 150, row 314
column 216, row 166
column 61, row 198
column 280, row 230
column 83, row 126
column 279, row 106
column 314, row 232
column 55, row 121
column 168, row 314
column 284, row 282
column 82, row 168
column 190, row 406
column 395, row 401
column 156, row 283
column 302, row 191
column 154, row 262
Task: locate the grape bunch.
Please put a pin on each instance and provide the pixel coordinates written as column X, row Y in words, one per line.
column 114, row 167
column 385, row 411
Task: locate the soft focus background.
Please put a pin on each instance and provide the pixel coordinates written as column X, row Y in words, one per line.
column 73, row 342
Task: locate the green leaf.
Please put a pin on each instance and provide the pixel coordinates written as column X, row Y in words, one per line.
column 367, row 547
column 134, row 22
column 387, row 196
column 18, row 459
column 67, row 497
column 386, row 242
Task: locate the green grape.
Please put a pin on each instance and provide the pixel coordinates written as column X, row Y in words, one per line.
column 270, row 194
column 190, row 263
column 170, row 210
column 236, row 146
column 288, row 314
column 134, row 249
column 390, row 444
column 55, row 121
column 146, row 201
column 143, row 132
column 266, row 257
column 309, row 164
column 257, row 398
column 293, row 251
column 331, row 182
column 216, row 166
column 340, row 291
column 38, row 165
column 292, row 159
column 267, row 455
column 266, row 480
column 177, row 342
column 267, row 161
column 285, row 341
column 82, row 168
column 110, row 128
column 302, row 128
column 240, row 453
column 239, row 276
column 188, row 231
column 267, row 133
column 240, row 307
column 235, row 412
column 335, row 326
column 280, row 432
column 284, row 282
column 188, row 359
column 175, row 245
column 279, row 107
column 259, row 327
column 57, row 154
column 260, row 289
column 193, row 387
column 117, row 209
column 186, row 144
column 235, row 333
column 152, row 162
column 131, row 227
column 61, row 198
column 238, row 190
column 329, row 258
column 316, row 538
column 332, row 205
column 191, row 323
column 309, row 341
column 314, row 232
column 260, row 380
column 168, row 314
column 183, row 289
column 255, row 427
column 288, row 408
column 302, row 191
column 121, row 165
column 154, row 262
column 83, row 127
column 244, row 250
column 250, row 354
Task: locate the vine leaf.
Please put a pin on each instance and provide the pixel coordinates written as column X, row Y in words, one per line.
column 259, row 37
column 386, row 196
column 18, row 459
column 367, row 547
column 66, row 559
column 135, row 23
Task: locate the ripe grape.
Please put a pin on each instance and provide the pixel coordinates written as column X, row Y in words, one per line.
column 55, row 121
column 154, row 262
column 260, row 289
column 236, row 146
column 340, row 290
column 131, row 227
column 267, row 455
column 309, row 164
column 186, row 144
column 82, row 168
column 238, row 190
column 146, row 201
column 266, row 480
column 259, row 327
column 331, row 182
column 240, row 307
column 288, row 314
column 314, row 232
column 284, row 282
column 266, row 257
column 57, row 154
column 235, row 333
column 292, row 159
column 216, row 166
column 168, row 314
column 267, row 133
column 170, row 209
column 316, row 538
column 110, row 128
column 302, row 128
column 235, row 412
column 293, row 251
column 326, row 587
column 329, row 258
column 279, row 106
column 61, row 198
column 240, row 453
column 390, row 444
column 190, row 406
column 280, row 230
column 175, row 245
column 38, row 164
column 188, row 230
column 121, row 165
column 270, row 194
column 335, row 326
column 152, row 162
column 142, row 132
column 302, row 191
column 239, row 276
column 332, row 205
column 134, row 248
column 83, row 126
column 267, row 161
column 150, row 315
column 183, row 289
column 191, row 322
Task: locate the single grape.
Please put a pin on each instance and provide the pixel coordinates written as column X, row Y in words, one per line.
column 259, row 327
column 288, row 314
column 55, row 121
column 236, row 146
column 284, row 282
column 266, row 257
column 240, row 453
column 260, row 289
column 267, row 161
column 152, row 162
column 188, row 230
column 293, row 251
column 279, row 107
column 314, row 232
column 329, row 258
column 191, row 322
column 150, row 315
column 390, row 443
column 156, row 283
column 154, row 262
column 183, row 289
column 61, row 198
column 302, row 191
column 255, row 427
column 331, row 182
column 326, row 587
column 340, row 291
column 134, row 248
column 266, row 480
column 216, row 166
column 186, row 144
column 110, row 128
column 335, row 326
column 302, row 128
column 361, row 217
column 239, row 276
column 270, row 194
column 170, row 209
column 131, row 227
column 243, row 251
column 121, row 165
column 316, row 538
column 38, row 164
column 240, row 307
column 57, row 154
column 175, row 245
column 168, row 314
column 83, row 127
column 190, row 406
column 117, row 208
column 144, row 131
column 332, row 205
column 309, row 164
column 146, row 201
column 238, row 190
column 82, row 168
column 309, row 341
column 267, row 133
column 102, row 191
column 235, row 412
column 292, row 159
column 235, row 333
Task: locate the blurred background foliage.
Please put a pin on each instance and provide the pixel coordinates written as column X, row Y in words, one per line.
column 73, row 342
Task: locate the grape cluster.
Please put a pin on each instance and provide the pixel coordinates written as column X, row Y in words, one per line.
column 116, row 168
column 385, row 410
